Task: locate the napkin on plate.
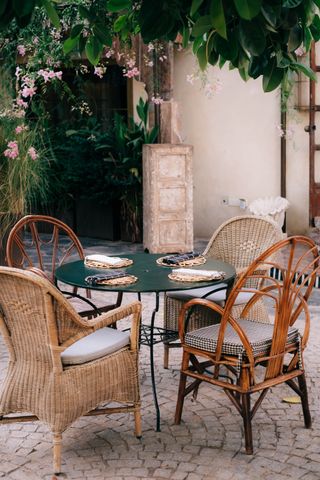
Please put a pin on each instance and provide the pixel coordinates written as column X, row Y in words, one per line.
column 181, row 257
column 191, row 272
column 103, row 259
column 96, row 279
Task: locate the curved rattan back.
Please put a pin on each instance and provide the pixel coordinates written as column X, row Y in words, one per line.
column 286, row 272
column 240, row 240
column 29, row 241
column 35, row 318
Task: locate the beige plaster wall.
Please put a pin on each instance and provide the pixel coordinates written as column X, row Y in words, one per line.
column 235, row 138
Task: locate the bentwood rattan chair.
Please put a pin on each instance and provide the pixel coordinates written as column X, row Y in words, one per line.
column 41, row 243
column 238, row 241
column 245, row 357
column 62, row 366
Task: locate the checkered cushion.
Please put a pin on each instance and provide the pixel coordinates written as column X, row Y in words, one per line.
column 259, row 335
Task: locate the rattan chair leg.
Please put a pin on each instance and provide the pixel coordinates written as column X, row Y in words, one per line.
column 57, row 440
column 166, row 350
column 182, row 388
column 246, row 415
column 304, row 400
column 137, row 421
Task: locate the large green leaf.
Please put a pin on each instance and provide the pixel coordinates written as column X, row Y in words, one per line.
column 52, row 13
column 218, row 17
column 295, row 38
column 304, row 69
column 307, row 38
column 120, row 23
column 103, row 34
column 256, row 66
column 315, row 28
column 22, row 7
column 202, row 57
column 93, row 49
column 195, row 6
column 228, row 50
column 117, row 5
column 270, row 14
column 76, row 30
column 272, row 76
column 156, row 19
column 248, row 9
column 291, row 3
column 196, row 44
column 252, row 37
column 202, row 26
column 70, row 44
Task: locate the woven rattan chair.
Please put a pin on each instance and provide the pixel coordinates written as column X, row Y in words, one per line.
column 255, row 355
column 238, row 241
column 28, row 248
column 61, row 365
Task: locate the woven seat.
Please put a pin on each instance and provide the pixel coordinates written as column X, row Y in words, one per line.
column 238, row 241
column 27, row 248
column 259, row 336
column 61, row 365
column 245, row 357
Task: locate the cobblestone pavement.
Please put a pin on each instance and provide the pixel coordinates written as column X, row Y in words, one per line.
column 208, row 445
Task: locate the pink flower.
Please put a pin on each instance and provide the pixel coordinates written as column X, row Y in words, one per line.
column 18, row 71
column 21, row 128
column 131, row 62
column 132, row 73
column 35, row 40
column 44, row 74
column 59, row 75
column 157, row 100
column 12, row 151
column 21, row 50
column 21, row 103
column 99, row 71
column 109, row 52
column 28, row 91
column 33, row 153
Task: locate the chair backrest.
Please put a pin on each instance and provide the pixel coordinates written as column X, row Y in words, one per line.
column 28, row 247
column 35, row 318
column 287, row 273
column 240, row 240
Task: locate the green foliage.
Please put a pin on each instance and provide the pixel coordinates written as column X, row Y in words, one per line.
column 23, row 179
column 249, row 34
column 110, row 162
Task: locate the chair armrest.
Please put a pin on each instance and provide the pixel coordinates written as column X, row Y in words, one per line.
column 105, row 320
column 195, row 301
column 117, row 314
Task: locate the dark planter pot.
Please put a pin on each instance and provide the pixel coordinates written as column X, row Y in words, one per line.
column 97, row 221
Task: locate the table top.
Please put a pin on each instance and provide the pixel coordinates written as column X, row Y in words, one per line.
column 151, row 276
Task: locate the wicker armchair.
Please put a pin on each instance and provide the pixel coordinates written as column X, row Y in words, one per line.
column 255, row 356
column 238, row 241
column 31, row 252
column 62, row 366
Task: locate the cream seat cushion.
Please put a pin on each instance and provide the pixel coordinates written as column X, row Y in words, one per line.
column 97, row 344
column 216, row 297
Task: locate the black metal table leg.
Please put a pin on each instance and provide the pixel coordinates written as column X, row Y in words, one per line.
column 154, row 390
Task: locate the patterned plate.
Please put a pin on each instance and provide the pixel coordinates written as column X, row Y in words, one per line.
column 128, row 280
column 195, row 278
column 93, row 264
column 186, row 263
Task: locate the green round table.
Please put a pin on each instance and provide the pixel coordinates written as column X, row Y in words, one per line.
column 152, row 278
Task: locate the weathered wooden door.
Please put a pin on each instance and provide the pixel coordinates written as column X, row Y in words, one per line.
column 314, row 140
